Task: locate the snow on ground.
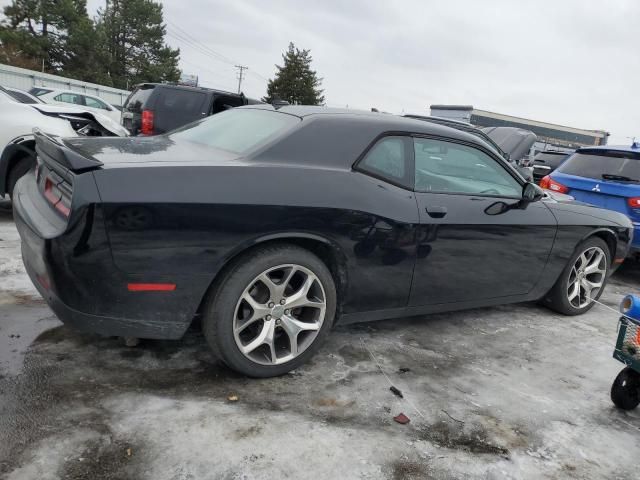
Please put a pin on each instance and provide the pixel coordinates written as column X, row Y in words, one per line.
column 508, row 392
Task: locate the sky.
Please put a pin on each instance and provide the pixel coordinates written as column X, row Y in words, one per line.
column 571, row 62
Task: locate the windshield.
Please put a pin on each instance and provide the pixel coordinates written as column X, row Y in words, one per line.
column 237, row 130
column 608, row 165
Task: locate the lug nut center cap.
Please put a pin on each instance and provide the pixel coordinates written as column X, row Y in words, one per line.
column 277, row 311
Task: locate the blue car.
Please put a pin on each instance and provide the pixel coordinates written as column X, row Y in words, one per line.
column 606, row 176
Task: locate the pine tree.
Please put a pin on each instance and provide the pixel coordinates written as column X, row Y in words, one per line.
column 36, row 32
column 133, row 35
column 294, row 81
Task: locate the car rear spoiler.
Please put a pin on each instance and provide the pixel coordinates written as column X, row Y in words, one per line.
column 52, row 147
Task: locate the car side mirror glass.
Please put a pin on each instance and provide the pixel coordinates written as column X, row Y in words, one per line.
column 531, row 192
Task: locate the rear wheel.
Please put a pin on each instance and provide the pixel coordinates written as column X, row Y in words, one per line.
column 17, row 171
column 625, row 391
column 583, row 279
column 271, row 311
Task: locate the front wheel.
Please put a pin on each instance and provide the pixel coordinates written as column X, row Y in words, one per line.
column 582, row 280
column 271, row 311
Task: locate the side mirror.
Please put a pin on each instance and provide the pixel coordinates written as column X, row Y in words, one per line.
column 531, row 193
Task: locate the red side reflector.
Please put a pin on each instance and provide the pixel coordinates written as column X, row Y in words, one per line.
column 619, row 260
column 151, row 287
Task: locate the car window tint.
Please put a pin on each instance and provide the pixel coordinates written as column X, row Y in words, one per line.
column 388, row 159
column 69, row 98
column 21, row 97
column 138, row 98
column 180, row 101
column 447, row 167
column 38, row 91
column 95, row 103
column 607, row 165
column 237, row 130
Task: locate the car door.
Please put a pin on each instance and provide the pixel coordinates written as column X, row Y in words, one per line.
column 477, row 240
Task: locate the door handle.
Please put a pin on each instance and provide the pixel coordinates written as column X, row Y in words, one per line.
column 436, row 211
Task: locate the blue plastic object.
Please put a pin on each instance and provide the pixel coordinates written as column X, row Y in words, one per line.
column 630, row 306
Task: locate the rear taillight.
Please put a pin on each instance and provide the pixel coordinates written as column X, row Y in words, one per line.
column 550, row 184
column 146, row 127
column 634, row 202
column 58, row 195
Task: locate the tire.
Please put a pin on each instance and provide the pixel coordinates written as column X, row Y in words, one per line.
column 227, row 302
column 17, row 171
column 625, row 391
column 558, row 297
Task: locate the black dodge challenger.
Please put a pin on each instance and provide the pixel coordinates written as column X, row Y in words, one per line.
column 272, row 225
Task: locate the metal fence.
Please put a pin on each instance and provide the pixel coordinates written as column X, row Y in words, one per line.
column 26, row 79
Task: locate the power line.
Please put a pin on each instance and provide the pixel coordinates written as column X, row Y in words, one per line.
column 241, row 69
column 209, row 49
column 195, row 47
column 184, row 36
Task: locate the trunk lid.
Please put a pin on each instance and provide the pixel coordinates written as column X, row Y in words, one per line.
column 110, row 152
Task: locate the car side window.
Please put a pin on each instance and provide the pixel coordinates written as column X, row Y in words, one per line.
column 388, row 159
column 69, row 98
column 447, row 167
column 95, row 103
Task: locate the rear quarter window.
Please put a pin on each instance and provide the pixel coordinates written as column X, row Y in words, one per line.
column 237, row 130
column 183, row 101
column 138, row 98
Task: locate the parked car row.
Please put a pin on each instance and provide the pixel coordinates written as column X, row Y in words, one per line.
column 156, row 108
column 19, row 115
column 272, row 225
column 69, row 97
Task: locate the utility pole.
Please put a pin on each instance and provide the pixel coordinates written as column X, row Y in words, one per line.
column 241, row 69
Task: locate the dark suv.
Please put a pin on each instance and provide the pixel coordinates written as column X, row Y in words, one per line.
column 546, row 162
column 154, row 108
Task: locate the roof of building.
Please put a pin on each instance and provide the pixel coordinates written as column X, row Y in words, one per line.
column 521, row 120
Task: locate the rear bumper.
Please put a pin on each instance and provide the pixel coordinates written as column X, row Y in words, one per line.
column 72, row 268
column 109, row 326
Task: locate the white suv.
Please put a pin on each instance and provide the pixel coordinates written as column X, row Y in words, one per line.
column 82, row 100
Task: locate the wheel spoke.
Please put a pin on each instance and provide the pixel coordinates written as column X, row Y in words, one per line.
column 259, row 311
column 589, row 287
column 594, row 264
column 293, row 327
column 265, row 337
column 271, row 285
column 300, row 298
column 574, row 291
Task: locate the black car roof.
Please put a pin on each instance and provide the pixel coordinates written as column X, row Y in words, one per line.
column 352, row 131
column 187, row 87
column 386, row 122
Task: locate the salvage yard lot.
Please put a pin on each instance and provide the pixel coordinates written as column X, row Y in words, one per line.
column 505, row 392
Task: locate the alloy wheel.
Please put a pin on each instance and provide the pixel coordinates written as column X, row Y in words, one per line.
column 587, row 277
column 279, row 314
